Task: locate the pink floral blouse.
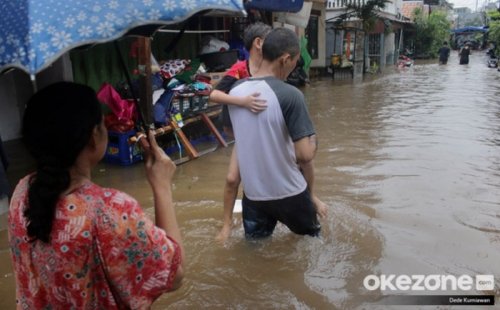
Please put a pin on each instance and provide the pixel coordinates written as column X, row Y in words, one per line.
column 105, row 253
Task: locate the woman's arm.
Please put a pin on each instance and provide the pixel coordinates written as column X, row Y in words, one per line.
column 160, row 170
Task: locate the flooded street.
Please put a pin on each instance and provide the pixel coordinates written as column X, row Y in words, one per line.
column 409, row 164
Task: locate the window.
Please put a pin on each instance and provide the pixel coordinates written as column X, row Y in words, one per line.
column 374, row 44
column 374, row 48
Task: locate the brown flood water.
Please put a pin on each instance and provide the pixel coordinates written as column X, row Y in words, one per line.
column 409, row 163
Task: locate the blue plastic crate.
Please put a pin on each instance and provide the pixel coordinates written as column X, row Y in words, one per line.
column 119, row 151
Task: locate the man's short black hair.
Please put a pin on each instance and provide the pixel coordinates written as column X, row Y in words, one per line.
column 280, row 41
column 253, row 31
column 445, row 43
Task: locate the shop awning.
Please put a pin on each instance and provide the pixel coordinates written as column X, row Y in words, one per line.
column 275, row 5
column 37, row 32
column 470, row 29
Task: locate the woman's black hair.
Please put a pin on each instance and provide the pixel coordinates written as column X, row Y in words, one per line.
column 57, row 125
column 278, row 42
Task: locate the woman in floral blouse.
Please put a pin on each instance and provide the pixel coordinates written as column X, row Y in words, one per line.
column 76, row 245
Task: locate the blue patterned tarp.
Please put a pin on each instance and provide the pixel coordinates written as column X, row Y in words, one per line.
column 34, row 33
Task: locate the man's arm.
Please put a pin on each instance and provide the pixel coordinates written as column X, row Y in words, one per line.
column 302, row 132
column 305, row 150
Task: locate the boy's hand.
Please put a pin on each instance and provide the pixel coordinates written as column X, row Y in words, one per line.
column 254, row 104
column 320, row 206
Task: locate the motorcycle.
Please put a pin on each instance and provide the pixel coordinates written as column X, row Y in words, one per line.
column 404, row 61
column 298, row 77
column 492, row 61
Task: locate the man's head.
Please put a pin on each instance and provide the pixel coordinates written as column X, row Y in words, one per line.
column 282, row 46
column 445, row 43
column 254, row 35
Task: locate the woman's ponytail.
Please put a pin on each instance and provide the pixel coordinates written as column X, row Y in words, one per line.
column 57, row 125
column 44, row 190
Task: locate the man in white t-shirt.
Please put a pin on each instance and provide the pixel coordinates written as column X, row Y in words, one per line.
column 276, row 147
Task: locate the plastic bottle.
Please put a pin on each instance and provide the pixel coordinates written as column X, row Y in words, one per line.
column 177, row 117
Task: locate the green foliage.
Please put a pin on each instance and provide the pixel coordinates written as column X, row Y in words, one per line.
column 440, row 28
column 493, row 15
column 374, row 68
column 368, row 12
column 423, row 36
column 494, row 31
column 430, row 31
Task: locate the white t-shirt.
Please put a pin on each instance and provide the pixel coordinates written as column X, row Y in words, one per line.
column 265, row 141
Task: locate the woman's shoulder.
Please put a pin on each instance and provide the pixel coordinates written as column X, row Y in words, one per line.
column 21, row 189
column 24, row 182
column 107, row 205
column 111, row 195
column 107, row 199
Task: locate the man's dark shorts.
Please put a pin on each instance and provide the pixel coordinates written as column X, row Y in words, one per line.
column 296, row 212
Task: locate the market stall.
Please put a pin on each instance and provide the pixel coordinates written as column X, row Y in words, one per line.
column 36, row 39
column 174, row 98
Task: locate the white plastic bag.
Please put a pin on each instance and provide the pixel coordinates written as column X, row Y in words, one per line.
column 211, row 44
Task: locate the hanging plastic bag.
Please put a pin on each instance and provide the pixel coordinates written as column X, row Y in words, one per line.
column 162, row 107
column 124, row 112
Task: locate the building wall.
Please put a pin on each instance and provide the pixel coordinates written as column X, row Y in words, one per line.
column 390, row 48
column 15, row 89
column 359, row 63
column 410, row 6
column 318, row 6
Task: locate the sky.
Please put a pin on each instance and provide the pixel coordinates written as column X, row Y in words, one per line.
column 470, row 3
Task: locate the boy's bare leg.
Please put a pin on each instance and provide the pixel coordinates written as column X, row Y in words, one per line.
column 233, row 180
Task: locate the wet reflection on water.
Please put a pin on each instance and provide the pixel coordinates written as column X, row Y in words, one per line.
column 409, row 163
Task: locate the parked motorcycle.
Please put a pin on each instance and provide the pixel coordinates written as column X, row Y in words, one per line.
column 298, row 77
column 492, row 61
column 404, row 61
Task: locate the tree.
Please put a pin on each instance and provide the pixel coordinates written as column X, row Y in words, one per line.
column 367, row 11
column 430, row 32
column 494, row 30
column 440, row 27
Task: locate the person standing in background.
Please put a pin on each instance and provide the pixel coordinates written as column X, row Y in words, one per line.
column 444, row 53
column 464, row 54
